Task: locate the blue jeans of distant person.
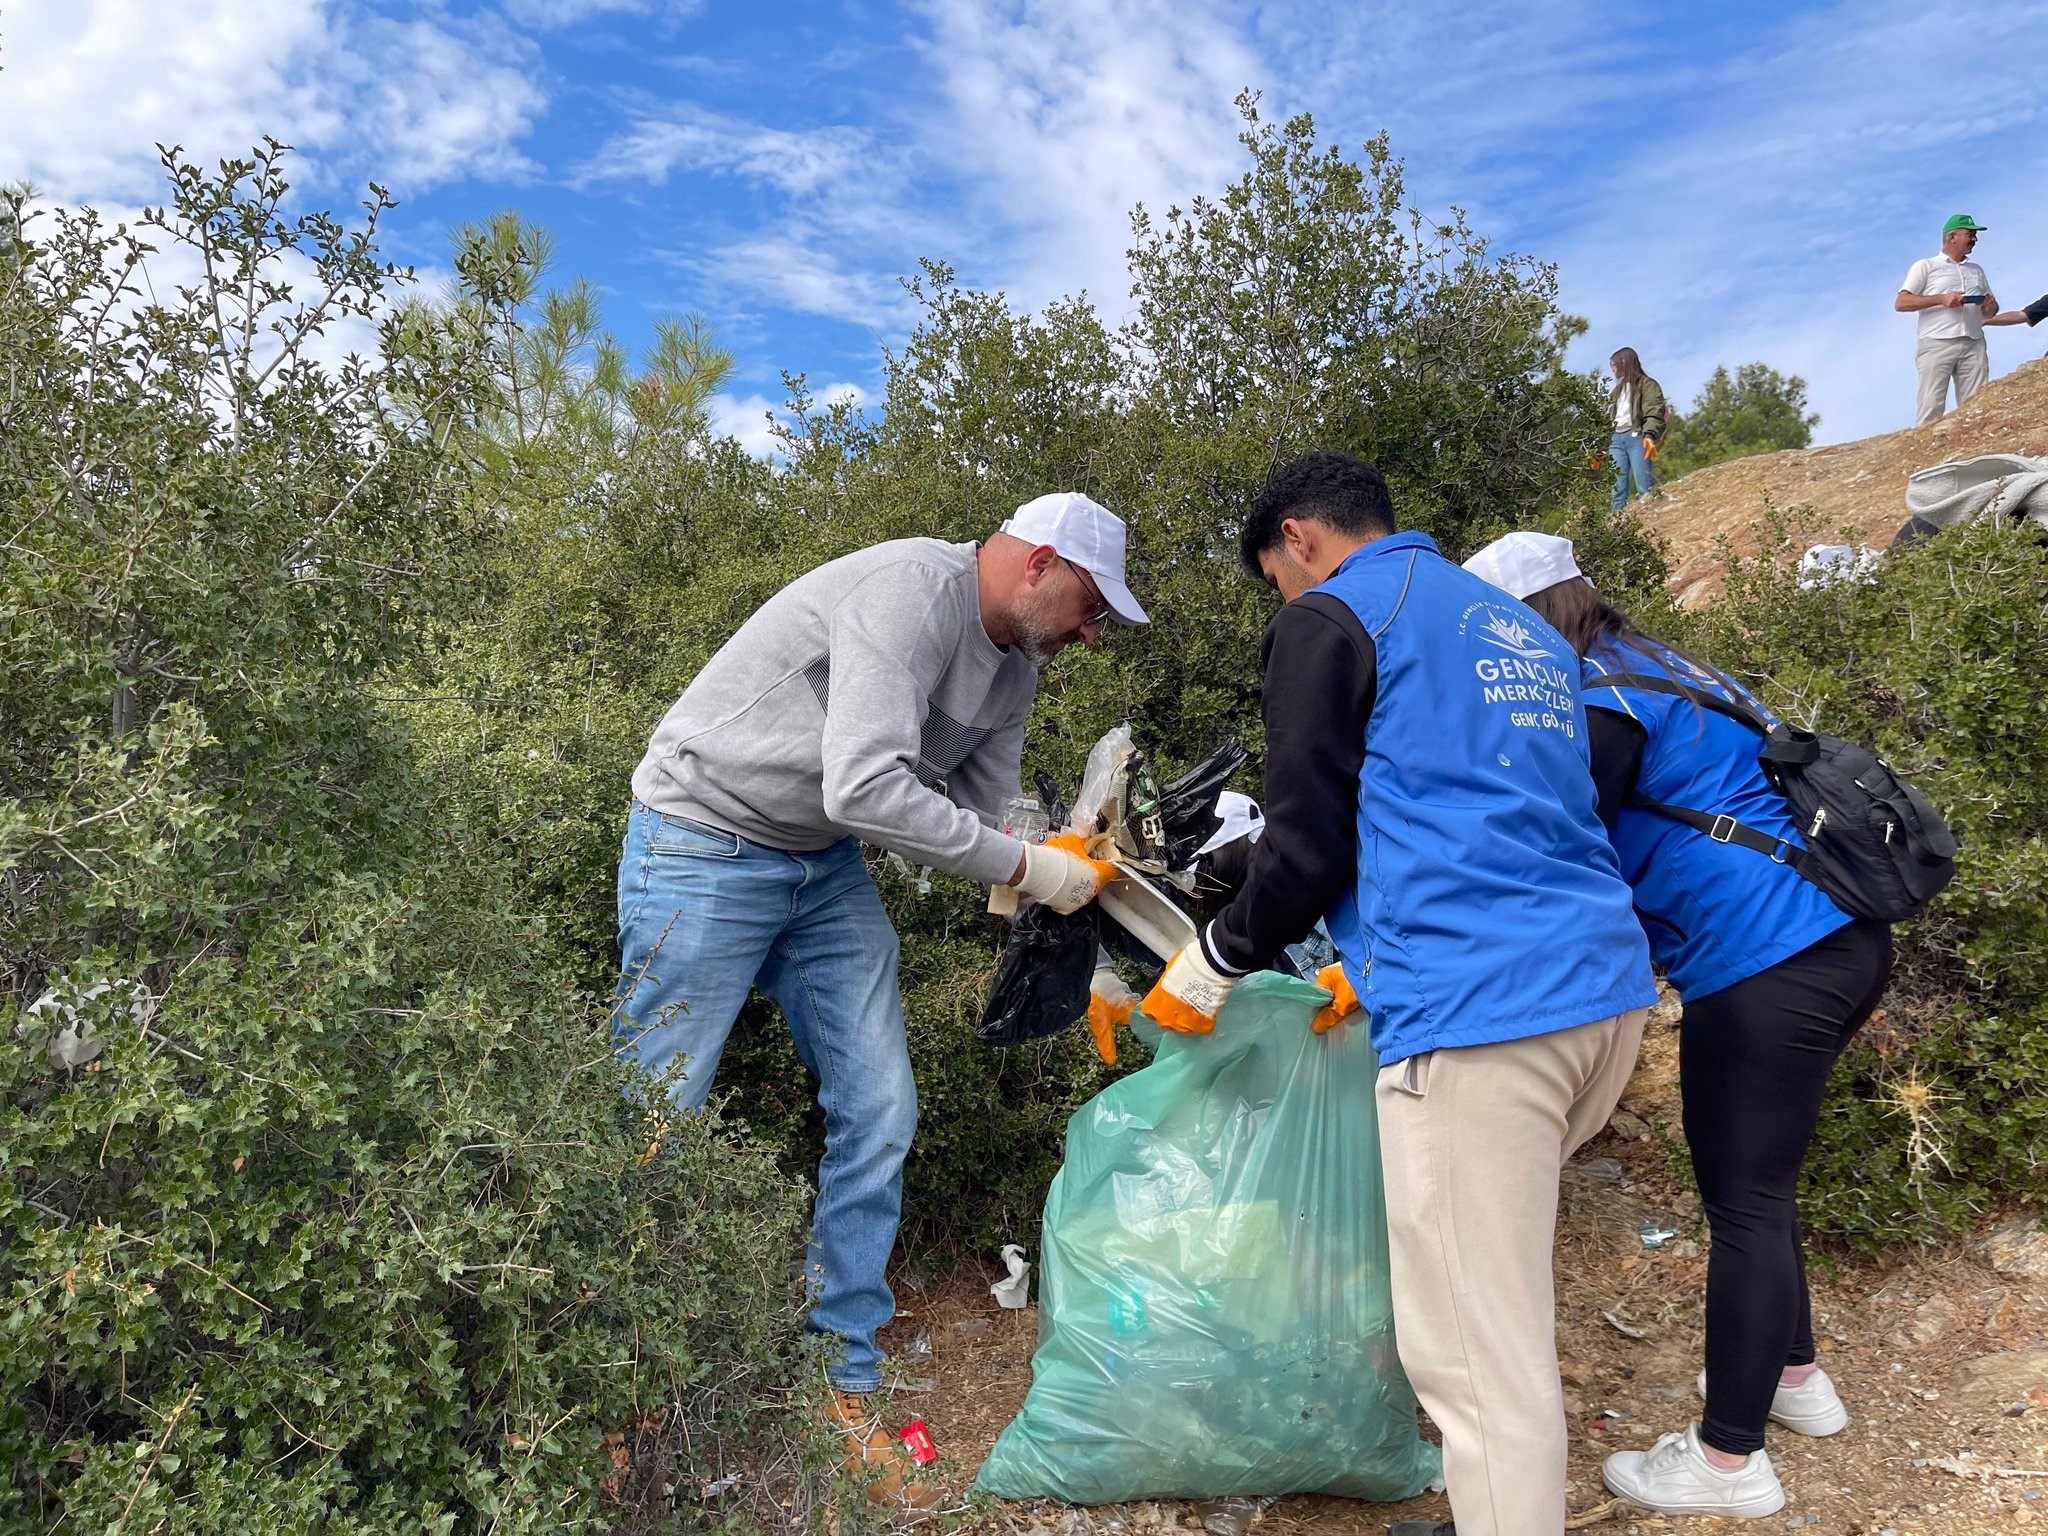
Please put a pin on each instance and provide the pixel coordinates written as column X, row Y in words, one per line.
column 703, row 917
column 1630, row 460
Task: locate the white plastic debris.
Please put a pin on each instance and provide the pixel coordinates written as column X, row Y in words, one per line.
column 68, row 1036
column 1828, row 564
column 1014, row 1292
column 1241, row 817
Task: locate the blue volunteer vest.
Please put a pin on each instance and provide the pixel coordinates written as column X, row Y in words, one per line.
column 1489, row 905
column 1716, row 914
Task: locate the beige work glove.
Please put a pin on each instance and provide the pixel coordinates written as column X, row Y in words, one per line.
column 1189, row 993
column 1059, row 873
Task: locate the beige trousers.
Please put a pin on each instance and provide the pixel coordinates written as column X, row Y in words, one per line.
column 1473, row 1139
column 1962, row 358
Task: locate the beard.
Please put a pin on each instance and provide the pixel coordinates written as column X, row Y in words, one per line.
column 1034, row 620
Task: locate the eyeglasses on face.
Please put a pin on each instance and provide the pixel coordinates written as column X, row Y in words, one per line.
column 1094, row 593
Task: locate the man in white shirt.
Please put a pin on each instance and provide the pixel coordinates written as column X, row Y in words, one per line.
column 1953, row 299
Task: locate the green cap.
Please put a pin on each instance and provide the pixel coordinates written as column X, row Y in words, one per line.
column 1961, row 221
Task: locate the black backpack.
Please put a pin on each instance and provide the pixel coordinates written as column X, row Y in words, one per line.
column 1873, row 842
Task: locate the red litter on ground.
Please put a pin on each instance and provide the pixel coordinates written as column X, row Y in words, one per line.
column 918, row 1441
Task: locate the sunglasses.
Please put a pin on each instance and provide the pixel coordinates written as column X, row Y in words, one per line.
column 1094, row 592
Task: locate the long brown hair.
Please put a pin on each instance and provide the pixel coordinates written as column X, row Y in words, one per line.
column 1576, row 610
column 1628, row 369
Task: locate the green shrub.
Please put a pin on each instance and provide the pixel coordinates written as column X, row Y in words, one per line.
column 321, row 1204
column 1941, row 1105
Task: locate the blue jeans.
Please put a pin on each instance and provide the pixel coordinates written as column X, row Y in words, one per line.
column 1630, row 459
column 703, row 917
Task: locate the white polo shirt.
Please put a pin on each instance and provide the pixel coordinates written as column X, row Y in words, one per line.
column 1938, row 274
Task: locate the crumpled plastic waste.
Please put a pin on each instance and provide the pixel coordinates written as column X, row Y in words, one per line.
column 1119, row 799
column 1240, row 817
column 62, row 1018
column 1826, row 565
column 1015, row 1291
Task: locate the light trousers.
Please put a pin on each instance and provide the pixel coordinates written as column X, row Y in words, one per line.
column 1473, row 1140
column 1965, row 359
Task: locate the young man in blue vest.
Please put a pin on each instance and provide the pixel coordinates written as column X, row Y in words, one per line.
column 1428, row 795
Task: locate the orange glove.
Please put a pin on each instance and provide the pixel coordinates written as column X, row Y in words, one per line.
column 1189, row 993
column 1343, row 1000
column 1059, row 873
column 1649, row 448
column 1110, row 1003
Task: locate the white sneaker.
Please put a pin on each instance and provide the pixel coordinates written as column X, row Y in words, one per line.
column 1674, row 1477
column 1811, row 1408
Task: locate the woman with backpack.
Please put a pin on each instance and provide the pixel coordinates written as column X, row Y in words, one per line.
column 1640, row 417
column 1775, row 978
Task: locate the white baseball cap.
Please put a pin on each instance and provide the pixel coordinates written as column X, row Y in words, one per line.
column 1524, row 563
column 1089, row 534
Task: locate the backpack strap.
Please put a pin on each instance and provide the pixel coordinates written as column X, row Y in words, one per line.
column 1782, row 744
column 1658, row 682
column 1726, row 829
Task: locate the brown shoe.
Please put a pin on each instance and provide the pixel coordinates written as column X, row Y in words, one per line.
column 852, row 1416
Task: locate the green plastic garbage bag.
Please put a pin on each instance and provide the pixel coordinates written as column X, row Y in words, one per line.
column 1214, row 1311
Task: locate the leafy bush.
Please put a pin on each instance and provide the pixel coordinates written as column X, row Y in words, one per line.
column 321, row 1206
column 1942, row 1104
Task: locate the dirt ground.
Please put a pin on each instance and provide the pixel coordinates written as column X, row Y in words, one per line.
column 1856, row 487
column 1926, row 1453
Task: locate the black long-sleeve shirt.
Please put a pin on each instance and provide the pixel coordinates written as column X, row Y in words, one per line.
column 1617, row 742
column 1321, row 680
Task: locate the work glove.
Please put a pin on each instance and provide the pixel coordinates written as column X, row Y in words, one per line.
column 1059, row 873
column 1110, row 1002
column 1343, row 999
column 1650, row 448
column 1189, row 994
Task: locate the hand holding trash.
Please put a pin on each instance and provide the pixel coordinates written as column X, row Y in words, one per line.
column 1343, row 999
column 1059, row 873
column 1189, row 993
column 1110, row 1001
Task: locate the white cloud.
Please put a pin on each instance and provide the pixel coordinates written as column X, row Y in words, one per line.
column 1016, row 154
column 1061, row 115
column 89, row 87
column 747, row 417
column 791, row 270
column 686, row 137
column 427, row 105
column 553, row 14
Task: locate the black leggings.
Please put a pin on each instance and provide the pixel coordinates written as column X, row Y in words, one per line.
column 1753, row 1065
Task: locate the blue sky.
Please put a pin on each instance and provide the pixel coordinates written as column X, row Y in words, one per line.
column 1743, row 182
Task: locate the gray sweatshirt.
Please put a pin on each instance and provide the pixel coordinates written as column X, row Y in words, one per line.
column 853, row 703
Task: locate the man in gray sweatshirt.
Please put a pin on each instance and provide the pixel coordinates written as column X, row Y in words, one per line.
column 878, row 699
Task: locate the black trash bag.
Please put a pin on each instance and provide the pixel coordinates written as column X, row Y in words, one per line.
column 1042, row 976
column 1187, row 805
